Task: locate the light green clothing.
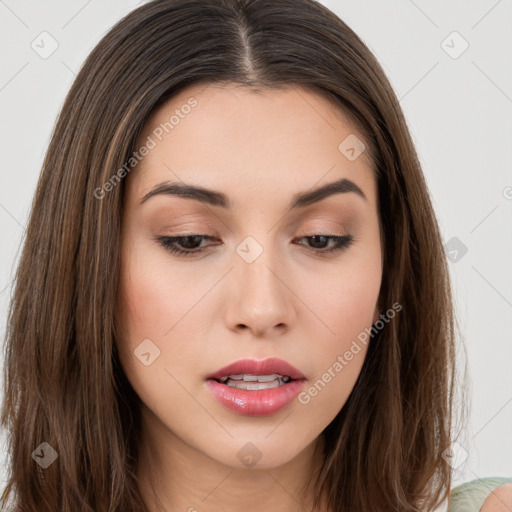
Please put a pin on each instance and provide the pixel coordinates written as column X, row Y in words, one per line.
column 470, row 496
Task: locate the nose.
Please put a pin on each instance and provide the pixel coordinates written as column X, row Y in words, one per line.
column 260, row 297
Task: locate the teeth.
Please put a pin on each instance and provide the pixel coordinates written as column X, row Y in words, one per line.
column 246, row 377
column 268, row 378
column 255, row 382
column 258, row 385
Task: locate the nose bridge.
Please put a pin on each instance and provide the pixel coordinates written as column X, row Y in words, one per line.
column 259, row 298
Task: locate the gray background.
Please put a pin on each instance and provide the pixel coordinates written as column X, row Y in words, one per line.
column 459, row 109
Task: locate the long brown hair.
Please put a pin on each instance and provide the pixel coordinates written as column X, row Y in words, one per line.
column 63, row 382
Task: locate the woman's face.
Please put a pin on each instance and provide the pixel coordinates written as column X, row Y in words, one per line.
column 265, row 286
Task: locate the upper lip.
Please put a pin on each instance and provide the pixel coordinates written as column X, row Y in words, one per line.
column 258, row 367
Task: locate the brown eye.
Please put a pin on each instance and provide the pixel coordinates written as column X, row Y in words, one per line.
column 319, row 242
column 189, row 245
column 183, row 245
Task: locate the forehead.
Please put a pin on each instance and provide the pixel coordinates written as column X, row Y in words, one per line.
column 231, row 137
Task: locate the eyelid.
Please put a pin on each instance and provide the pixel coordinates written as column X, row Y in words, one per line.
column 341, row 243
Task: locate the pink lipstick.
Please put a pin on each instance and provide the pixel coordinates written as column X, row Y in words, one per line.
column 253, row 387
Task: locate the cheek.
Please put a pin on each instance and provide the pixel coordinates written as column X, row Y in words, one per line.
column 343, row 301
column 343, row 295
column 154, row 295
column 152, row 304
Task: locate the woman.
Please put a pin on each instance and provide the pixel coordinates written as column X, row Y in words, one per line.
column 233, row 292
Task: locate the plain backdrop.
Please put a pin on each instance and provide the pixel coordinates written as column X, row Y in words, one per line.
column 451, row 67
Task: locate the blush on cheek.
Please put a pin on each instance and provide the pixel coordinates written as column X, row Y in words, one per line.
column 345, row 311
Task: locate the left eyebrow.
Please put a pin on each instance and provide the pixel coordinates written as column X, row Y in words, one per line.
column 220, row 199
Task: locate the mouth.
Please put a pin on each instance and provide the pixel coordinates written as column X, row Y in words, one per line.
column 256, row 388
column 255, row 382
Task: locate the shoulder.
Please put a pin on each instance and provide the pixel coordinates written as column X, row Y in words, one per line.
column 482, row 495
column 499, row 500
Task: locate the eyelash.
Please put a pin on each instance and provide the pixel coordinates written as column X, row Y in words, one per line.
column 342, row 242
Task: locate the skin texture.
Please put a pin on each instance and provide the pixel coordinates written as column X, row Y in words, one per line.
column 206, row 311
column 500, row 500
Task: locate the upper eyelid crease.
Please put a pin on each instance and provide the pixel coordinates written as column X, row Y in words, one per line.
column 220, row 199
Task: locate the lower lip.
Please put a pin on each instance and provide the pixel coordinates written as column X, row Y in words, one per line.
column 262, row 402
